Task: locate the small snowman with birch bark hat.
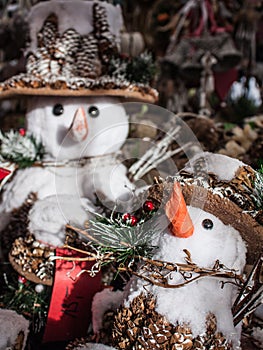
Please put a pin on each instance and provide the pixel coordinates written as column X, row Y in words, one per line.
column 74, row 83
column 192, row 293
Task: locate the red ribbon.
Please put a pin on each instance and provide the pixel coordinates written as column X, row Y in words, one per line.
column 4, row 173
column 69, row 314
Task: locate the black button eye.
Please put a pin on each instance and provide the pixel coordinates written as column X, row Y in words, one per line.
column 93, row 111
column 207, row 224
column 58, row 109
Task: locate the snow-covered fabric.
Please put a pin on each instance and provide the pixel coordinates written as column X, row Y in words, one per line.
column 224, row 167
column 11, row 324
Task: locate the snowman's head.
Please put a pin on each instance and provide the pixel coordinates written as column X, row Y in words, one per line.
column 211, row 240
column 75, row 127
column 202, row 233
column 227, row 193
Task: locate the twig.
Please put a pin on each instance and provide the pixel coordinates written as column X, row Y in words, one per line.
column 250, row 295
column 83, row 232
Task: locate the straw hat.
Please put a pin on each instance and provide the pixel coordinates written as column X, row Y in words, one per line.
column 74, row 51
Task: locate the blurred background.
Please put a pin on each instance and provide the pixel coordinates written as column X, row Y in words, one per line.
column 209, row 62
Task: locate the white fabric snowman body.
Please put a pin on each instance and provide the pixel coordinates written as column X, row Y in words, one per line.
column 82, row 137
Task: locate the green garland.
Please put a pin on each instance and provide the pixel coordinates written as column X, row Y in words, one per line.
column 140, row 69
column 23, row 297
column 21, row 149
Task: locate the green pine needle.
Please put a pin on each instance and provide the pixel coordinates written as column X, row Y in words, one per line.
column 139, row 69
column 22, row 150
column 125, row 242
column 23, row 299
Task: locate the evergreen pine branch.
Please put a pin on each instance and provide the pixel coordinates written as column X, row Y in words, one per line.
column 124, row 242
column 22, row 150
column 23, row 299
column 140, row 69
column 122, row 238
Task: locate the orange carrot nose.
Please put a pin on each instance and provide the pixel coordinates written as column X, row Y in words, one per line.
column 176, row 211
column 78, row 130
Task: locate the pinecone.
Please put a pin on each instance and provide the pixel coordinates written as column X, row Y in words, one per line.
column 106, row 41
column 206, row 132
column 32, row 257
column 87, row 60
column 32, row 64
column 100, row 22
column 17, row 226
column 71, row 41
column 141, row 327
column 43, row 61
column 66, row 47
column 48, row 34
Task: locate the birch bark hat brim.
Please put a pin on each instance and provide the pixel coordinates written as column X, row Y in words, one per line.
column 230, row 190
column 74, row 51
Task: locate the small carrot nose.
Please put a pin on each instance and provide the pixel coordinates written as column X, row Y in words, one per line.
column 176, row 210
column 79, row 128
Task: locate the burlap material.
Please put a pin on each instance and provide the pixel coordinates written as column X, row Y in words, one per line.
column 230, row 214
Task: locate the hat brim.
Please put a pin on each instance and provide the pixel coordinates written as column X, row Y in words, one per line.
column 150, row 97
column 230, row 214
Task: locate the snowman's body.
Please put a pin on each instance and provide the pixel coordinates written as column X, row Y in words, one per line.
column 81, row 137
column 191, row 305
column 194, row 304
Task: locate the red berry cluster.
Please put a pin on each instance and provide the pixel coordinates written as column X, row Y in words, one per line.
column 132, row 220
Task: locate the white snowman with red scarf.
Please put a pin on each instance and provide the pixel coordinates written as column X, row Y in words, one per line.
column 74, row 111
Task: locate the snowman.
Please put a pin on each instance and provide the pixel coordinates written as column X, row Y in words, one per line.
column 215, row 229
column 74, row 111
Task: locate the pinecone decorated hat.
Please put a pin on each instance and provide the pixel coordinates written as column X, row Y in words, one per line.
column 74, row 51
column 230, row 190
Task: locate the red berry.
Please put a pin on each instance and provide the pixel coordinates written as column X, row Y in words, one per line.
column 148, row 206
column 126, row 217
column 133, row 220
column 22, row 131
column 22, row 279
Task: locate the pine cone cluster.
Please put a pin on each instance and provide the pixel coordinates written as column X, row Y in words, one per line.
column 141, row 327
column 70, row 54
